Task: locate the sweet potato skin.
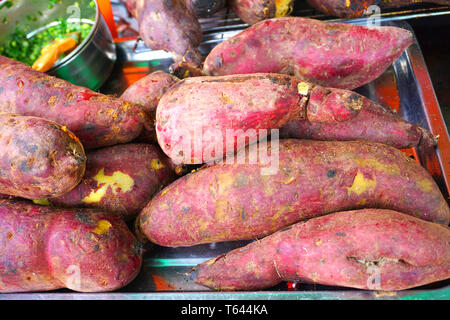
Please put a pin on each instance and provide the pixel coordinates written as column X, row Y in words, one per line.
column 221, row 108
column 202, row 105
column 120, row 179
column 96, row 119
column 334, row 55
column 224, row 202
column 169, row 25
column 253, row 11
column 43, row 248
column 147, row 92
column 357, row 8
column 372, row 122
column 38, row 158
column 371, row 249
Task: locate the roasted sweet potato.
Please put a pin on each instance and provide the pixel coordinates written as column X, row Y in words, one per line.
column 331, row 54
column 253, row 11
column 38, row 158
column 366, row 249
column 201, row 119
column 43, row 248
column 359, row 8
column 170, row 26
column 120, row 179
column 96, row 119
column 225, row 202
column 205, row 8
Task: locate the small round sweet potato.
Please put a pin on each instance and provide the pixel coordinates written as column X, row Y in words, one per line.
column 38, row 158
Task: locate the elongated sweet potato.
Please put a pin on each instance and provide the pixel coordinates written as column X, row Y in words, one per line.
column 96, row 119
column 171, row 26
column 358, row 8
column 373, row 122
column 225, row 202
column 43, row 248
column 120, row 179
column 334, row 54
column 205, row 118
column 253, row 11
column 38, row 158
column 366, row 249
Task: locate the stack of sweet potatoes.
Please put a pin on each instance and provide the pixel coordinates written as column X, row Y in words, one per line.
column 344, row 207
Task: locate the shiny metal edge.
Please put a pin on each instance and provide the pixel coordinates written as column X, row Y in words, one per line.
column 440, row 294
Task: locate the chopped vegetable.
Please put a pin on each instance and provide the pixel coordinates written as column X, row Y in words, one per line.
column 27, row 50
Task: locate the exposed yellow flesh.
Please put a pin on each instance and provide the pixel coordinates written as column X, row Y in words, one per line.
column 118, row 180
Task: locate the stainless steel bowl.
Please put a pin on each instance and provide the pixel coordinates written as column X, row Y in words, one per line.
column 91, row 62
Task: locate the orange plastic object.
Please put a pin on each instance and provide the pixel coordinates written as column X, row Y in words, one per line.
column 107, row 13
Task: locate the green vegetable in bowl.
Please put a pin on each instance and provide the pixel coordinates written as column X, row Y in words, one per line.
column 21, row 48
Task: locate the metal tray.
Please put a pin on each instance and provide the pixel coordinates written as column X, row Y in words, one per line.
column 405, row 87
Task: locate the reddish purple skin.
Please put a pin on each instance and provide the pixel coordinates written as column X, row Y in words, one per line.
column 139, row 161
column 357, row 8
column 237, row 102
column 168, row 25
column 341, row 249
column 371, row 122
column 147, row 92
column 96, row 119
column 225, row 202
column 38, row 158
column 334, row 55
column 40, row 247
column 131, row 6
column 203, row 105
column 253, row 11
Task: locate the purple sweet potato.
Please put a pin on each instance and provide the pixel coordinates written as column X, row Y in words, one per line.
column 43, row 248
column 373, row 122
column 330, row 54
column 224, row 202
column 120, row 179
column 204, row 118
column 253, row 11
column 147, row 92
column 370, row 249
column 359, row 8
column 171, row 26
column 96, row 119
column 38, row 158
column 207, row 107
